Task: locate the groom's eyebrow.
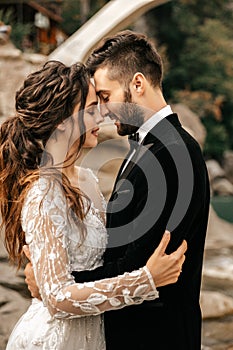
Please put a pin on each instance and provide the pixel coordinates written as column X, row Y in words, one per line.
column 99, row 92
column 93, row 103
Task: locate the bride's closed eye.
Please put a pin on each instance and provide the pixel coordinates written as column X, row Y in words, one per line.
column 91, row 110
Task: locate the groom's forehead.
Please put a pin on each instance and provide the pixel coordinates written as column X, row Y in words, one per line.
column 103, row 83
column 101, row 76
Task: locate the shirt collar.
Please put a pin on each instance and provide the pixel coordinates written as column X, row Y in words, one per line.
column 152, row 121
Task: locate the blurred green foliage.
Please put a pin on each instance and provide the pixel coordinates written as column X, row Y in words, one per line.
column 198, row 42
column 77, row 12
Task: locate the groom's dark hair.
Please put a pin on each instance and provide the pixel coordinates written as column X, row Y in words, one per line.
column 124, row 54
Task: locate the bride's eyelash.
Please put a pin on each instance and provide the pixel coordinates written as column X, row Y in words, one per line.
column 91, row 110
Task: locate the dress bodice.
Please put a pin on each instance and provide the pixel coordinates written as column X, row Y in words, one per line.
column 84, row 255
column 53, row 233
column 90, row 252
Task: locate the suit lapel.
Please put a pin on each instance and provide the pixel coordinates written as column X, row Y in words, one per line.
column 122, row 167
column 160, row 132
column 155, row 137
column 135, row 159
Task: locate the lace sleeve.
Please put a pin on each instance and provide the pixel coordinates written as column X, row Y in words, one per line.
column 97, row 197
column 46, row 222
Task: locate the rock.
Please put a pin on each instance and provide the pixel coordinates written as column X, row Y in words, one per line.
column 15, row 282
column 222, row 187
column 14, row 296
column 9, row 51
column 219, row 232
column 35, row 58
column 14, row 70
column 215, row 304
column 217, row 335
column 218, row 270
column 228, row 165
column 214, row 170
column 12, row 306
column 191, row 122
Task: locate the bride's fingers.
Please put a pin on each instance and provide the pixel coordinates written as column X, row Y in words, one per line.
column 181, row 250
column 177, row 258
column 160, row 250
column 173, row 273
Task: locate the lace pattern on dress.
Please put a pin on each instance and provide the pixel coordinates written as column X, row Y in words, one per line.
column 53, row 237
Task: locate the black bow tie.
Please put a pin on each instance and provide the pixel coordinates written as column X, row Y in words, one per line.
column 134, row 137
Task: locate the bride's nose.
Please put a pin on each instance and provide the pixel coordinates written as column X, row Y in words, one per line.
column 104, row 111
column 99, row 118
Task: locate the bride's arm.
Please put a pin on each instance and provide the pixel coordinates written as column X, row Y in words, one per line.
column 47, row 233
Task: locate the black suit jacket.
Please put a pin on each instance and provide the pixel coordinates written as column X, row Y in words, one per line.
column 165, row 186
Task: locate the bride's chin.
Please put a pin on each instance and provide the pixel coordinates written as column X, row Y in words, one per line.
column 90, row 144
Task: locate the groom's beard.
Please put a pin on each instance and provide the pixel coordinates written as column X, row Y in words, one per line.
column 131, row 117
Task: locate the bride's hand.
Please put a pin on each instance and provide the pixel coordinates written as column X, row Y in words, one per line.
column 165, row 269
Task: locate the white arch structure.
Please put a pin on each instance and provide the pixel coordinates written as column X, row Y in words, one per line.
column 114, row 16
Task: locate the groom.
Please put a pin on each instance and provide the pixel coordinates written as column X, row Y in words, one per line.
column 162, row 183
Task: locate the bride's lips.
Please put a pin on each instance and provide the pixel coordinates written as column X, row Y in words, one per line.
column 95, row 132
column 117, row 123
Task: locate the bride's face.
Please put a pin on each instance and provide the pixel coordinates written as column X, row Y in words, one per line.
column 92, row 118
column 65, row 140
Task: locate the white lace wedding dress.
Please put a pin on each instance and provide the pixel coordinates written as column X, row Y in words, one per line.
column 70, row 316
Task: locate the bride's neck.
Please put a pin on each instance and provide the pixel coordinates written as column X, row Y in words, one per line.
column 73, row 175
column 69, row 171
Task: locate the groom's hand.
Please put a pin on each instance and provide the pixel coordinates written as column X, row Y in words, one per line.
column 30, row 277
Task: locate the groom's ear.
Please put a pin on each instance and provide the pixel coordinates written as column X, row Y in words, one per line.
column 138, row 84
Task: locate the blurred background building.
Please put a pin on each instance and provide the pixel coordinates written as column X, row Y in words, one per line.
column 35, row 24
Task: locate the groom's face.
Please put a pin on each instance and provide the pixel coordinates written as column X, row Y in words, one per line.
column 116, row 103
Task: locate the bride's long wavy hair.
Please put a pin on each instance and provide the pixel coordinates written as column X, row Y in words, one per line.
column 47, row 97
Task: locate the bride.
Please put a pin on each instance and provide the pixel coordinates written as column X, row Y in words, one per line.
column 58, row 210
